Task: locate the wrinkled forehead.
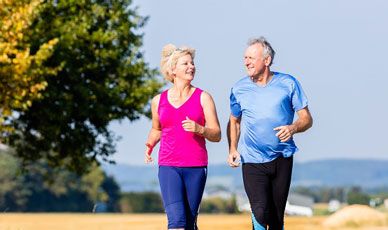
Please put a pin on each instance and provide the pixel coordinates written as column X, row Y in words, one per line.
column 254, row 50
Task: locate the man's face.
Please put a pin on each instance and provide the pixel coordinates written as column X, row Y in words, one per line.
column 254, row 61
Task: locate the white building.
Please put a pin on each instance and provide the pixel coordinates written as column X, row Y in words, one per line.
column 242, row 202
column 386, row 203
column 334, row 205
column 299, row 205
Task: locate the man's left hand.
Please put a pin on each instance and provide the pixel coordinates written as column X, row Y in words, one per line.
column 285, row 132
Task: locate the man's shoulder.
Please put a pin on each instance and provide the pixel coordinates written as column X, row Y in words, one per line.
column 284, row 75
column 285, row 78
column 240, row 83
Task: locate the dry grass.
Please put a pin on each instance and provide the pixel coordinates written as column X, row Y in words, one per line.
column 9, row 221
column 357, row 216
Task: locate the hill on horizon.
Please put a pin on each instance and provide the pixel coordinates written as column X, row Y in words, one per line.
column 332, row 173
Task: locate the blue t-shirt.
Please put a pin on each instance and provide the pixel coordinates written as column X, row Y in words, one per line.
column 261, row 109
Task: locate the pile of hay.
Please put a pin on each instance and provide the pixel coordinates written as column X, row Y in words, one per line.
column 356, row 216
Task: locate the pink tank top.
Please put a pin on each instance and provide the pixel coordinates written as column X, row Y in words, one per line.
column 178, row 147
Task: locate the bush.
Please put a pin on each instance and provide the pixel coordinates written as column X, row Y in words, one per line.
column 141, row 202
column 219, row 205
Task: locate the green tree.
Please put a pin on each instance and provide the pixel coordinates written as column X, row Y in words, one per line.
column 41, row 188
column 13, row 194
column 104, row 78
column 356, row 196
column 219, row 205
column 142, row 202
column 112, row 189
column 21, row 70
column 58, row 190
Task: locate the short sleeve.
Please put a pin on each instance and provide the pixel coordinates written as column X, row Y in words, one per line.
column 299, row 98
column 235, row 106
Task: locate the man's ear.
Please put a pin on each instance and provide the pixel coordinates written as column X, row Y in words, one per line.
column 267, row 61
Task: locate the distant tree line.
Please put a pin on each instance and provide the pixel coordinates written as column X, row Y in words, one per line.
column 219, row 205
column 151, row 202
column 141, row 202
column 38, row 187
column 41, row 188
column 350, row 195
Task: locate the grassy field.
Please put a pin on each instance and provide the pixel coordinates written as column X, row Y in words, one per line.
column 9, row 221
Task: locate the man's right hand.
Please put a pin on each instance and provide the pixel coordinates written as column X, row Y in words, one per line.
column 234, row 159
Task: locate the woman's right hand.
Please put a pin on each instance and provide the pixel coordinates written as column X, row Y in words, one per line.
column 148, row 159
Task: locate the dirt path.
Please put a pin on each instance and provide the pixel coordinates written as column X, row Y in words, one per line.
column 9, row 221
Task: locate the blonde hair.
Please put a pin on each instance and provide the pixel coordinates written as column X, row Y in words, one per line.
column 170, row 56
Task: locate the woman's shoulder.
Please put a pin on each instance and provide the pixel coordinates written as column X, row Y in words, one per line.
column 156, row 99
column 201, row 92
column 158, row 96
column 206, row 96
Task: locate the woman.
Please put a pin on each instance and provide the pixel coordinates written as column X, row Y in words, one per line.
column 182, row 118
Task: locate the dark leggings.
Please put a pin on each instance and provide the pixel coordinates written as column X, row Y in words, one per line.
column 267, row 186
column 182, row 190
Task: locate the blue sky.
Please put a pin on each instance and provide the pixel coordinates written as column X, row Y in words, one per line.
column 337, row 49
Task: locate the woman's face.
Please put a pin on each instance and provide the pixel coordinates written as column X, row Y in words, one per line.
column 185, row 68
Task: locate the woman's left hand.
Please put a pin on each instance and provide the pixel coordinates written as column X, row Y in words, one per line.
column 191, row 126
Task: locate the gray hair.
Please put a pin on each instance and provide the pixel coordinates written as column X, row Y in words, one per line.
column 268, row 51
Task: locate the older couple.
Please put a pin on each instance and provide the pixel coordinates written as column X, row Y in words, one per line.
column 262, row 106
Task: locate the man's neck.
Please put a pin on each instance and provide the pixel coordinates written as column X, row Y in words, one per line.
column 264, row 78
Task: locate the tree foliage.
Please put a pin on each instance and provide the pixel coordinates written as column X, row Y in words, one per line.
column 219, row 205
column 21, row 71
column 104, row 77
column 357, row 196
column 141, row 202
column 113, row 194
column 42, row 188
column 12, row 192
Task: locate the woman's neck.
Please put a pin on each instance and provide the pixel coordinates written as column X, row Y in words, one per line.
column 181, row 88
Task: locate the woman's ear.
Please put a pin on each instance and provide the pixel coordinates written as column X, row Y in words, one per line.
column 173, row 71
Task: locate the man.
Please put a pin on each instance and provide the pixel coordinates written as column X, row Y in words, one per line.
column 263, row 104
